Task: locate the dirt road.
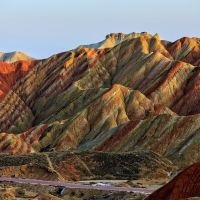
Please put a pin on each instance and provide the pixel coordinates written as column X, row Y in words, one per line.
column 72, row 185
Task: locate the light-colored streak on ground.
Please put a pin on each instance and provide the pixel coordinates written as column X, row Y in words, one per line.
column 103, row 181
column 71, row 185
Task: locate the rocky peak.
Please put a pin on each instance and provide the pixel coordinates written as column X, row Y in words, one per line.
column 118, row 36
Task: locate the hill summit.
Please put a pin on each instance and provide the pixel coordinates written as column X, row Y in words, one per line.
column 14, row 56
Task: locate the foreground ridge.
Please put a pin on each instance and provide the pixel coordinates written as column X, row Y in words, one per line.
column 88, row 165
column 183, row 186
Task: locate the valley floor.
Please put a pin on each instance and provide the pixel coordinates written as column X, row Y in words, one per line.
column 11, row 190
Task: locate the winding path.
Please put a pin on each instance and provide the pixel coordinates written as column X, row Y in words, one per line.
column 72, row 185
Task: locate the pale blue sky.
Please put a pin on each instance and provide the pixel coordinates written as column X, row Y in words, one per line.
column 41, row 28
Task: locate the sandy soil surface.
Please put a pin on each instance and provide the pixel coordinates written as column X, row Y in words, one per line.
column 141, row 183
column 42, row 192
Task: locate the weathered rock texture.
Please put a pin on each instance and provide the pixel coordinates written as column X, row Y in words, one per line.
column 140, row 93
column 170, row 136
column 183, row 186
column 113, row 39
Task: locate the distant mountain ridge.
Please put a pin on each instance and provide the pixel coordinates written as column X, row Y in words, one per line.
column 14, row 56
column 113, row 39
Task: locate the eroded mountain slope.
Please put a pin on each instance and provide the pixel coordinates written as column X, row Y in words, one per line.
column 16, row 116
column 115, row 97
column 170, row 136
column 87, row 114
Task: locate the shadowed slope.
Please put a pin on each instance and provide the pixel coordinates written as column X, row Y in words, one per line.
column 76, row 165
column 170, row 136
column 185, row 185
column 185, row 49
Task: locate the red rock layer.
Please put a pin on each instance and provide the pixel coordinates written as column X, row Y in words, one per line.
column 11, row 73
column 11, row 144
column 15, row 115
column 183, row 186
column 98, row 110
column 170, row 136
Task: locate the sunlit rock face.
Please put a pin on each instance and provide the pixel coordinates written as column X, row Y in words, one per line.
column 113, row 39
column 140, row 93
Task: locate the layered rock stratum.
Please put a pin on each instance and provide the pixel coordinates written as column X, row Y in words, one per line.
column 184, row 186
column 131, row 92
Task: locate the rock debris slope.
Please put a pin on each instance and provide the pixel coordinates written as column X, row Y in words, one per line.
column 76, row 165
column 138, row 93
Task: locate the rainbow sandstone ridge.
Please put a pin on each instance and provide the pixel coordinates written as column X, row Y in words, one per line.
column 182, row 187
column 129, row 93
